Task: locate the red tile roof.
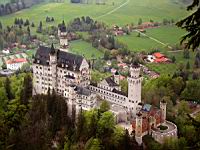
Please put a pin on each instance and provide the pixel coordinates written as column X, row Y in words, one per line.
column 17, row 60
column 158, row 55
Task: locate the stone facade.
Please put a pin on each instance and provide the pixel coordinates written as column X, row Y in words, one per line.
column 148, row 121
column 110, row 90
column 65, row 73
column 69, row 75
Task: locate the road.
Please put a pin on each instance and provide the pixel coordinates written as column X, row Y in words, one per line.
column 114, row 10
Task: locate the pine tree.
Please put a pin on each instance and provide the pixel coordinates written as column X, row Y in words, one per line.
column 186, row 54
column 26, row 92
column 1, row 26
column 140, row 21
column 8, row 89
column 29, row 31
column 188, row 65
column 173, row 59
column 32, row 25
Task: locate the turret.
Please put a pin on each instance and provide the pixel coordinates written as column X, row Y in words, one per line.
column 163, row 107
column 62, row 34
column 117, row 77
column 134, row 71
column 138, row 128
column 53, row 55
column 134, row 88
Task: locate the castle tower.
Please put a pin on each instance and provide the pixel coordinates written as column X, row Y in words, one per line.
column 53, row 64
column 138, row 128
column 62, row 34
column 117, row 77
column 163, row 108
column 134, row 88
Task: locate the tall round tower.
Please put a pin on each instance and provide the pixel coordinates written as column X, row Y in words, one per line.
column 138, row 128
column 134, row 88
column 163, row 108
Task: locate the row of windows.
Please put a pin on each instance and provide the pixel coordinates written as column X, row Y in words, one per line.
column 108, row 93
column 111, row 99
column 133, row 101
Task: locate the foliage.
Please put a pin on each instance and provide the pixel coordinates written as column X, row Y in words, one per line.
column 191, row 25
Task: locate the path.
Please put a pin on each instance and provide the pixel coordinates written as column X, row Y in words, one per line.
column 114, row 10
column 175, row 51
column 154, row 39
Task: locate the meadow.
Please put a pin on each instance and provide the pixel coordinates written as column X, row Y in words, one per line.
column 85, row 49
column 169, row 35
column 119, row 12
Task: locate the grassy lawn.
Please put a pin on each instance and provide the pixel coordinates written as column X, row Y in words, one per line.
column 166, row 34
column 137, row 44
column 83, row 48
column 135, row 9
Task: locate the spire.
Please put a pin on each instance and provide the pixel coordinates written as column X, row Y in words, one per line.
column 53, row 51
column 116, row 73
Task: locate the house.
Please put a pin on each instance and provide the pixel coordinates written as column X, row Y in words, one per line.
column 146, row 25
column 15, row 64
column 6, row 51
column 118, row 31
column 160, row 58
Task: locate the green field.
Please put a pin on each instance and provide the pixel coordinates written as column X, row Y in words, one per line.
column 169, row 35
column 4, row 1
column 122, row 12
column 83, row 48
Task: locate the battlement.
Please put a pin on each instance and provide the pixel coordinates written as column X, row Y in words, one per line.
column 134, row 72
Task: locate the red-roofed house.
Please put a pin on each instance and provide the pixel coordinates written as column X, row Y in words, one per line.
column 15, row 64
column 160, row 58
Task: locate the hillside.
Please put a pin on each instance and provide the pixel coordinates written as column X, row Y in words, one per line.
column 113, row 12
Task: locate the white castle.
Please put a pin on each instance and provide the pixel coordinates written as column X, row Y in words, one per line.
column 69, row 75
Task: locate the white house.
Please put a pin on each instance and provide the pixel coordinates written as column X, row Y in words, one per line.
column 15, row 64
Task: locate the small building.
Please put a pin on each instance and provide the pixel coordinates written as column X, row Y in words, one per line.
column 146, row 25
column 160, row 58
column 15, row 64
column 6, row 51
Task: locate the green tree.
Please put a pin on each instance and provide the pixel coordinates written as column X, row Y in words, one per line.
column 8, row 89
column 26, row 92
column 140, row 21
column 104, row 106
column 173, row 59
column 188, row 65
column 1, row 26
column 105, row 125
column 191, row 25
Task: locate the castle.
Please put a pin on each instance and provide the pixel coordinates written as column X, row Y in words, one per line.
column 70, row 75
